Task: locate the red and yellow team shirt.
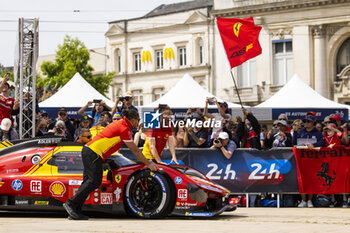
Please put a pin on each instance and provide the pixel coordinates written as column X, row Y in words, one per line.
column 160, row 136
column 6, row 105
column 111, row 138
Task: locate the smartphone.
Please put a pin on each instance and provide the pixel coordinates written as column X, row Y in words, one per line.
column 211, row 101
column 96, row 101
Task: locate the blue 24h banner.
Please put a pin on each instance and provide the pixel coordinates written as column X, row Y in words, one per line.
column 246, row 171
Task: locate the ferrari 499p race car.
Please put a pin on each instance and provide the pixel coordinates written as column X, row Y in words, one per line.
column 42, row 173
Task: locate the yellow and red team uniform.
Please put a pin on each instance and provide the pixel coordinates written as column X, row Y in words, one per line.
column 160, row 136
column 6, row 105
column 111, row 138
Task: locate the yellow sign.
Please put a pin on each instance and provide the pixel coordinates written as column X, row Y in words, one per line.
column 168, row 53
column 118, row 178
column 236, row 28
column 41, row 203
column 146, row 56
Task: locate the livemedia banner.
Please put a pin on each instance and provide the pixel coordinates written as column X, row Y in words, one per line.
column 323, row 171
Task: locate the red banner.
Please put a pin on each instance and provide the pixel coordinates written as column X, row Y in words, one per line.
column 324, row 171
column 240, row 38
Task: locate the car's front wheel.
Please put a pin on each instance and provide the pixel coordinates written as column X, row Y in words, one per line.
column 149, row 195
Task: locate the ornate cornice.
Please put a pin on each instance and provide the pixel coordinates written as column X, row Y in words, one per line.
column 254, row 9
column 318, row 30
column 282, row 33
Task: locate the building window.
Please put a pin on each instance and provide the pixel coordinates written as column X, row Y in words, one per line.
column 200, row 51
column 160, row 57
column 138, row 98
column 247, row 74
column 157, row 93
column 182, row 56
column 283, row 61
column 118, row 67
column 343, row 56
column 137, row 61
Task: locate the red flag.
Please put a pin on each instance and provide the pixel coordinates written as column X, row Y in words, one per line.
column 324, row 171
column 240, row 38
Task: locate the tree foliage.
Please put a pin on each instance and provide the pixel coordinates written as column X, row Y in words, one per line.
column 72, row 57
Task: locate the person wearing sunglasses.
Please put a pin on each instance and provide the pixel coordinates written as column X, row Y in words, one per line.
column 95, row 153
column 85, row 122
column 84, row 136
column 283, row 117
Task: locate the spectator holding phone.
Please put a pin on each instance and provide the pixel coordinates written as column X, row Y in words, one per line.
column 7, row 104
column 248, row 131
column 98, row 108
column 220, row 116
column 126, row 100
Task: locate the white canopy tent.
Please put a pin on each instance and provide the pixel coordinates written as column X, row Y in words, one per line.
column 187, row 93
column 75, row 94
column 296, row 98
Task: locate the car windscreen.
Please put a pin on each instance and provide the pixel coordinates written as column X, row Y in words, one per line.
column 67, row 162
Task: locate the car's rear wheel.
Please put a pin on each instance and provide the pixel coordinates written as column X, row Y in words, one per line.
column 149, row 195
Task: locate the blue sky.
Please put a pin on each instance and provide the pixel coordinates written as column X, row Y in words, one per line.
column 85, row 19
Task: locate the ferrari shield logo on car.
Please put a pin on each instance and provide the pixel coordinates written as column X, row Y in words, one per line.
column 118, row 178
column 57, row 189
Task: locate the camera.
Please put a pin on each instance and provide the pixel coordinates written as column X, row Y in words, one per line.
column 121, row 98
column 211, row 101
column 217, row 140
column 96, row 101
column 59, row 130
column 162, row 107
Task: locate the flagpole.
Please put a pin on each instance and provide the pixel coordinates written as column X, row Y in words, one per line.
column 235, row 87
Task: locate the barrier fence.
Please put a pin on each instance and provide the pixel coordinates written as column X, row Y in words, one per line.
column 280, row 170
column 247, row 171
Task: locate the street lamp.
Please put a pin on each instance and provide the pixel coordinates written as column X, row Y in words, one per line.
column 106, row 55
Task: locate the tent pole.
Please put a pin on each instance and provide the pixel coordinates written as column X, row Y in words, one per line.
column 234, row 82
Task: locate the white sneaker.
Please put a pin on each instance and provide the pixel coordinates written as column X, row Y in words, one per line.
column 302, row 204
column 309, row 204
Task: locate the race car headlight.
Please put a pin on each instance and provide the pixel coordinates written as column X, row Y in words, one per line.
column 196, row 193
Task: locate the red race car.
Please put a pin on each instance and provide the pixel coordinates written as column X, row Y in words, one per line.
column 42, row 173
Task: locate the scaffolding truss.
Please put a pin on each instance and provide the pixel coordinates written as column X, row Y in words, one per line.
column 28, row 31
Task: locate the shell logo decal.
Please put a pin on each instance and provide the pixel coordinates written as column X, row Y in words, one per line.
column 57, row 189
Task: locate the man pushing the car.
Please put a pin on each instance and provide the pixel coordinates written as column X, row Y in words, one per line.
column 108, row 141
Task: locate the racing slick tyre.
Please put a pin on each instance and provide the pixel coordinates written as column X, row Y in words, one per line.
column 149, row 195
